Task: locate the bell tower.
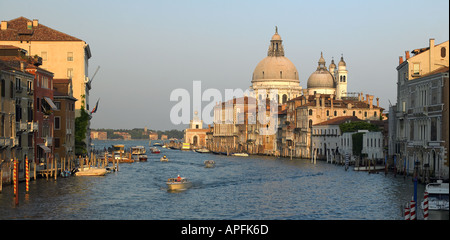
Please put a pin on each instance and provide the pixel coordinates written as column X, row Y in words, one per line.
column 341, row 79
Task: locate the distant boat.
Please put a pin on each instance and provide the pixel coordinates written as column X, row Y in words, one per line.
column 138, row 153
column 209, row 163
column 240, row 154
column 369, row 168
column 157, row 144
column 178, row 183
column 155, row 150
column 92, row 171
column 202, row 150
column 186, row 146
column 164, row 159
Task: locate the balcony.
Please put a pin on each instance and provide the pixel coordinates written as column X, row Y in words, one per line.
column 4, row 142
column 33, row 126
column 21, row 127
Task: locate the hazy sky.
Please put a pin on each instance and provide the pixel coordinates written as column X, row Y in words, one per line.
column 146, row 49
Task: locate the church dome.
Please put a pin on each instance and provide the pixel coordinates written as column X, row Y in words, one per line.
column 321, row 78
column 275, row 66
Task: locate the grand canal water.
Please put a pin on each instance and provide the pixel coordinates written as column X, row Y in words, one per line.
column 252, row 188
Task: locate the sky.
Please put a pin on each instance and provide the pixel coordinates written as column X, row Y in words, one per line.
column 146, row 49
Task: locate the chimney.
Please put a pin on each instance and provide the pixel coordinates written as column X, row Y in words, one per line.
column 431, row 54
column 371, row 102
column 400, row 60
column 407, row 55
column 378, row 102
column 367, row 99
column 4, row 25
column 22, row 66
column 29, row 25
column 35, row 22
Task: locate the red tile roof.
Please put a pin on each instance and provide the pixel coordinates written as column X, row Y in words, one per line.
column 17, row 30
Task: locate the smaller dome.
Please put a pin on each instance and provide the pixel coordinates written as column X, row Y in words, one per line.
column 342, row 62
column 332, row 65
column 321, row 78
column 276, row 37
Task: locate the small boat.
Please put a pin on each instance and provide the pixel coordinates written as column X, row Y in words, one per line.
column 155, row 150
column 179, row 183
column 202, row 150
column 164, row 159
column 438, row 202
column 138, row 153
column 240, row 154
column 157, row 144
column 369, row 168
column 209, row 163
column 186, row 146
column 91, row 171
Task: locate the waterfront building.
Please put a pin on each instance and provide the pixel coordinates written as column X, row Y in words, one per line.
column 326, row 137
column 16, row 108
column 63, row 55
column 64, row 131
column 307, row 110
column 99, row 135
column 420, row 115
column 153, row 136
column 195, row 135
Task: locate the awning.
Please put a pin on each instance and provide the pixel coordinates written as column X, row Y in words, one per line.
column 45, row 148
column 50, row 102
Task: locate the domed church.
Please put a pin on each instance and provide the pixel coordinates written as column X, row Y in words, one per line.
column 333, row 81
column 276, row 72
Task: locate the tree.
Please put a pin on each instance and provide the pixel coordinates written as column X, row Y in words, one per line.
column 81, row 124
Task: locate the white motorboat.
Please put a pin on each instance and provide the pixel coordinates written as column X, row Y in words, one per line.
column 202, row 150
column 179, row 183
column 438, row 202
column 91, row 171
column 240, row 154
column 209, row 163
column 138, row 153
column 164, row 159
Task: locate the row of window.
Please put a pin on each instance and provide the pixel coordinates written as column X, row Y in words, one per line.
column 335, row 113
column 45, row 57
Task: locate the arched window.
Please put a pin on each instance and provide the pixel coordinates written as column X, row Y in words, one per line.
column 263, row 74
column 375, row 113
column 335, row 113
column 343, row 79
column 443, row 52
column 328, row 112
column 310, row 123
column 284, row 98
column 281, row 74
column 310, row 112
column 365, row 114
column 340, row 79
column 354, row 113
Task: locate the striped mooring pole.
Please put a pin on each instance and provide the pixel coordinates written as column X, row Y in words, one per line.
column 16, row 182
column 425, row 206
column 413, row 209
column 407, row 212
column 27, row 174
